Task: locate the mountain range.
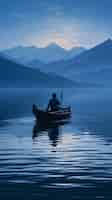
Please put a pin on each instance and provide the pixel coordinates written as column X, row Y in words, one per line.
column 93, row 64
column 51, row 53
column 17, row 75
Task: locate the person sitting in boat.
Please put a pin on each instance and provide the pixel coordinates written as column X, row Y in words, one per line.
column 54, row 103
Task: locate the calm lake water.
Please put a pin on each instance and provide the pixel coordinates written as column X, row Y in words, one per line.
column 70, row 162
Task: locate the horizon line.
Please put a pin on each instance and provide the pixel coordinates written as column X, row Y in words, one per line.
column 52, row 43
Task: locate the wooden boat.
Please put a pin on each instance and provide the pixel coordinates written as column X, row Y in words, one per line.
column 46, row 117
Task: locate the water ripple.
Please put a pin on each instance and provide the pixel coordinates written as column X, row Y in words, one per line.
column 71, row 159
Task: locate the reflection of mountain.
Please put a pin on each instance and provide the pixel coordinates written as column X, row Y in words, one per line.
column 94, row 64
column 50, row 53
column 16, row 75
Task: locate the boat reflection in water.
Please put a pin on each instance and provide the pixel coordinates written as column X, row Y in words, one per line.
column 52, row 129
column 54, row 134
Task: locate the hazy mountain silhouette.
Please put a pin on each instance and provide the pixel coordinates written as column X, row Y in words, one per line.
column 37, row 64
column 16, row 75
column 51, row 53
column 99, row 55
column 91, row 64
column 75, row 52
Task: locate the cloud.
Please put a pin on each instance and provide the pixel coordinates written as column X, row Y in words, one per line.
column 68, row 22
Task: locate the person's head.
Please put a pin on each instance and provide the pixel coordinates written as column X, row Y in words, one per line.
column 54, row 95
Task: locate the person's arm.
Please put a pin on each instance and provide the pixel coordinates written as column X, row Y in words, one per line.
column 58, row 104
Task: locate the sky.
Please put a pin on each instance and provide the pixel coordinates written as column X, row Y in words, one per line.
column 68, row 23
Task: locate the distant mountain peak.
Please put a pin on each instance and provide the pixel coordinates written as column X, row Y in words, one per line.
column 51, row 53
column 107, row 42
column 105, row 45
column 53, row 45
column 32, row 47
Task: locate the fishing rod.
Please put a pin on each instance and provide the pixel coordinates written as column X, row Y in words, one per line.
column 61, row 97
